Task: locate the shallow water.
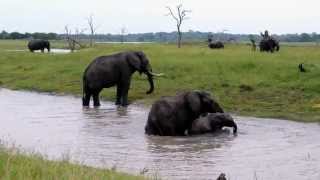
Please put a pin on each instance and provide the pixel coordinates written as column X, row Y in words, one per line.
column 59, row 127
column 57, row 51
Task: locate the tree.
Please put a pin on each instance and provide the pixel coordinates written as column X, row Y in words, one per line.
column 92, row 29
column 73, row 39
column 304, row 37
column 179, row 17
column 122, row 33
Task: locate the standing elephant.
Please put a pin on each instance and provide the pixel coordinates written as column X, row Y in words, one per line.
column 216, row 45
column 39, row 45
column 172, row 116
column 269, row 45
column 114, row 70
column 211, row 123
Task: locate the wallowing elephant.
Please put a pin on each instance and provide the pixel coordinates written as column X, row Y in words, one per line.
column 269, row 45
column 172, row 116
column 216, row 45
column 114, row 70
column 211, row 123
column 39, row 45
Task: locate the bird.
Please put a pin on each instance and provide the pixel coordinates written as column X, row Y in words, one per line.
column 301, row 68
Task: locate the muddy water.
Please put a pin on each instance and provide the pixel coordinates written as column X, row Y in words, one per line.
column 59, row 127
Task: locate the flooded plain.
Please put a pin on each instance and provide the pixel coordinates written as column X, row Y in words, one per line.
column 59, row 127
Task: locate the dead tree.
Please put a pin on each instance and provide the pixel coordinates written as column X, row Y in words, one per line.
column 92, row 29
column 179, row 17
column 123, row 31
column 73, row 39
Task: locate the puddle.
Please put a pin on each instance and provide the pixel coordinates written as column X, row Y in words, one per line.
column 126, row 42
column 58, row 126
column 57, row 51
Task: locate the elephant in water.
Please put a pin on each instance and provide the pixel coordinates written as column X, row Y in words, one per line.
column 114, row 70
column 39, row 45
column 173, row 116
column 211, row 123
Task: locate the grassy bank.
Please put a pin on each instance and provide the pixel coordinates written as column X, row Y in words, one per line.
column 243, row 82
column 16, row 166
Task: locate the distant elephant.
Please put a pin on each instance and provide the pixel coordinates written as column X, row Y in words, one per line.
column 211, row 123
column 39, row 45
column 269, row 45
column 114, row 70
column 172, row 116
column 216, row 45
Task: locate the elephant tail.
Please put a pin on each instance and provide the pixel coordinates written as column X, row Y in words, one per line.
column 85, row 101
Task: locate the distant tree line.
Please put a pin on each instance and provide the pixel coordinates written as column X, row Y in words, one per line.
column 190, row 36
column 36, row 35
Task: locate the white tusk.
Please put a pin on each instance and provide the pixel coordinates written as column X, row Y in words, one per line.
column 154, row 74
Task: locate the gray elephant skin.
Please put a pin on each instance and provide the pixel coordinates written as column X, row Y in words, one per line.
column 39, row 45
column 173, row 115
column 216, row 45
column 114, row 70
column 211, row 123
column 269, row 45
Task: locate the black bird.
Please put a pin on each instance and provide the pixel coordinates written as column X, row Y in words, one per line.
column 301, row 68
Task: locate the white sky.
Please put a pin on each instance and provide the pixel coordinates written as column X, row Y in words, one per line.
column 238, row 16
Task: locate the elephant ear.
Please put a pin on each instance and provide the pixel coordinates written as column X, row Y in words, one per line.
column 134, row 59
column 194, row 102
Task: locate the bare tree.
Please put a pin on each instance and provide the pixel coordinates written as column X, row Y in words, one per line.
column 179, row 17
column 123, row 31
column 73, row 39
column 92, row 28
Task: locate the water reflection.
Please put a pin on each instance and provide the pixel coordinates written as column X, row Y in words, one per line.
column 111, row 136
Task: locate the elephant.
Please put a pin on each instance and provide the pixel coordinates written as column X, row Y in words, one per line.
column 39, row 45
column 215, row 45
column 269, row 44
column 211, row 123
column 173, row 115
column 114, row 70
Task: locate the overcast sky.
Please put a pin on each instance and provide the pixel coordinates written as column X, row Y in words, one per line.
column 138, row 16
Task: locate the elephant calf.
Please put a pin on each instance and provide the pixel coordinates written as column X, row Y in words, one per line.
column 172, row 116
column 211, row 123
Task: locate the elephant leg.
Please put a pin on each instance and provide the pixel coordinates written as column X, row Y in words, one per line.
column 118, row 100
column 124, row 93
column 86, row 99
column 42, row 50
column 96, row 100
column 125, row 99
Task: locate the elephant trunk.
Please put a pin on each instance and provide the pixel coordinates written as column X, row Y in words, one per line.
column 229, row 122
column 150, row 79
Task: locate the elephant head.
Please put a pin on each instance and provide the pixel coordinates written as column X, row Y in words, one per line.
column 220, row 120
column 201, row 102
column 139, row 62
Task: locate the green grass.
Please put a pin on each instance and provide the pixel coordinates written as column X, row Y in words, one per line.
column 16, row 166
column 243, row 82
